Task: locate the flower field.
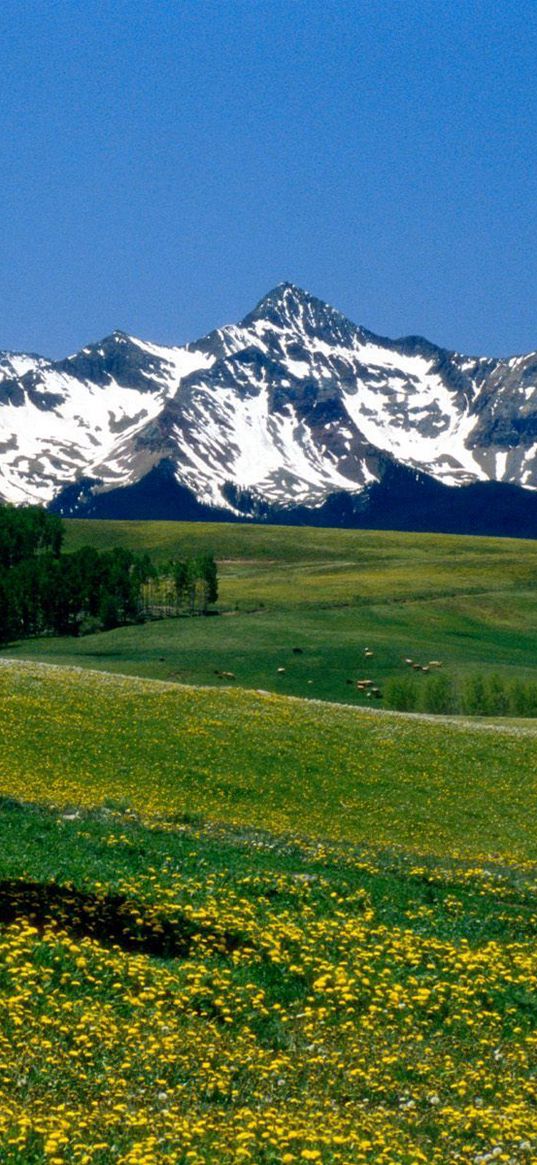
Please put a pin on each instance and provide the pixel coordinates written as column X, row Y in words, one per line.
column 241, row 928
column 432, row 786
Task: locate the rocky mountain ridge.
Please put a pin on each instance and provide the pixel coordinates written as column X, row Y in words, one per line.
column 293, row 411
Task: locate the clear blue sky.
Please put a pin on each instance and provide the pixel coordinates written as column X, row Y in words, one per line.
column 164, row 164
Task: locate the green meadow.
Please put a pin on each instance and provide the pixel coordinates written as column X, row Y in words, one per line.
column 80, row 738
column 470, row 602
column 238, row 927
column 243, row 922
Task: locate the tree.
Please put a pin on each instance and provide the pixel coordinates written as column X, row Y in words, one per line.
column 26, row 532
column 438, row 695
column 44, row 590
column 401, row 693
column 181, row 580
column 474, row 698
column 209, row 577
column 109, row 611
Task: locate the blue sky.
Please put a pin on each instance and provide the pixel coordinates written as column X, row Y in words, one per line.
column 163, row 165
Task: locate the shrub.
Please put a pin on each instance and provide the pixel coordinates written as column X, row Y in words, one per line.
column 473, row 700
column 496, row 696
column 438, row 695
column 401, row 693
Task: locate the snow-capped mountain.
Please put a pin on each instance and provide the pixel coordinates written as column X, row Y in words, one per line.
column 276, row 415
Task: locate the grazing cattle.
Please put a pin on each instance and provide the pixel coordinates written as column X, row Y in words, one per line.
column 416, row 667
column 426, row 668
column 409, row 661
column 368, row 653
column 376, row 692
column 280, row 670
column 297, row 651
column 228, row 675
column 435, row 663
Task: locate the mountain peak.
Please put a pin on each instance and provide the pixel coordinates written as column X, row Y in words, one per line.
column 286, row 291
column 285, row 298
column 293, row 407
column 116, row 337
column 289, row 306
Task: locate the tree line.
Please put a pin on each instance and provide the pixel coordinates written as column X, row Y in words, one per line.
column 186, row 585
column 44, row 590
column 472, row 695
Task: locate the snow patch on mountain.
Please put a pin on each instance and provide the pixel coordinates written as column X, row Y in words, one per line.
column 57, row 427
column 292, row 404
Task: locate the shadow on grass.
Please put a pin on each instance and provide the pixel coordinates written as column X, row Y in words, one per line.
column 110, row 919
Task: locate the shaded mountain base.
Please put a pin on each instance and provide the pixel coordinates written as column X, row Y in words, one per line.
column 408, row 500
column 157, row 497
column 404, row 500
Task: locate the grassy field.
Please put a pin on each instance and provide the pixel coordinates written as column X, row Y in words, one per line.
column 269, row 761
column 239, row 928
column 243, row 928
column 470, row 602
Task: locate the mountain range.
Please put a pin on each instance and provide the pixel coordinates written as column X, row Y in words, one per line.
column 293, row 415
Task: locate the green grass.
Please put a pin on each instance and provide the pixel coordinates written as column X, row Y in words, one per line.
column 282, row 544
column 365, row 987
column 471, row 602
column 245, row 759
column 361, row 885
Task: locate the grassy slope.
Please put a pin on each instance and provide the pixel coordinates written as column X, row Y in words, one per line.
column 378, row 1007
column 375, row 1010
column 246, row 759
column 471, row 602
column 378, row 869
